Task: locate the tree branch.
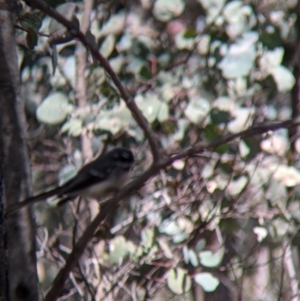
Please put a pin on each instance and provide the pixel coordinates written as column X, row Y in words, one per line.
column 156, row 166
column 130, row 103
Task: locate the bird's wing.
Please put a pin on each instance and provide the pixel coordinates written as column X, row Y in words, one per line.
column 85, row 177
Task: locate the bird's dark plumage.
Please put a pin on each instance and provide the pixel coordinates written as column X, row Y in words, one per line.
column 91, row 178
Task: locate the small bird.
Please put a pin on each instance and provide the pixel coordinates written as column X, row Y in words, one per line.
column 106, row 174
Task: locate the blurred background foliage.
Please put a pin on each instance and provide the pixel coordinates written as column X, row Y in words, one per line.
column 222, row 225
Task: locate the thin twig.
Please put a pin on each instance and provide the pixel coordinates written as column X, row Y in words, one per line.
column 81, row 95
column 130, row 103
column 109, row 206
column 38, row 33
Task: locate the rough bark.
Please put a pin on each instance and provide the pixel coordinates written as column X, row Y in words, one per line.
column 15, row 171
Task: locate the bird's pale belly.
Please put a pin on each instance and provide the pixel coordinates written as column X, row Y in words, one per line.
column 104, row 188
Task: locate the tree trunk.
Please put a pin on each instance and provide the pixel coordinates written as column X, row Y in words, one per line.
column 15, row 172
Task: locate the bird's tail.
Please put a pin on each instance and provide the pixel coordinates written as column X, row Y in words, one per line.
column 34, row 199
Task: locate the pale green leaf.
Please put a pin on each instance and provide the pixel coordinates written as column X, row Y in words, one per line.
column 30, row 20
column 66, row 173
column 108, row 45
column 164, row 10
column 283, row 78
column 152, row 108
column 117, row 63
column 118, row 249
column 54, row 109
column 207, row 281
column 240, row 58
column 235, row 187
column 147, row 236
column 73, row 127
column 244, row 149
column 193, row 259
column 178, row 281
column 197, row 110
column 213, row 8
column 288, row 175
column 114, row 25
column 184, row 43
column 276, row 144
column 210, row 259
column 169, row 227
column 241, row 121
column 115, row 120
column 179, row 238
column 271, row 59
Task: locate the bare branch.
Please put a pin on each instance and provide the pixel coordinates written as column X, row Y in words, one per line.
column 81, row 95
column 111, row 204
column 130, row 103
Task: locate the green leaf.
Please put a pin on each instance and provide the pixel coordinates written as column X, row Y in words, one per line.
column 114, row 25
column 147, row 236
column 178, row 281
column 182, row 125
column 114, row 120
column 117, row 63
column 58, row 33
column 280, row 227
column 288, row 175
column 236, row 186
column 207, row 281
column 152, row 108
column 276, row 144
column 270, row 36
column 190, row 256
column 197, row 110
column 244, row 18
column 108, row 45
column 210, row 259
column 145, row 73
column 213, row 8
column 253, row 145
column 118, row 249
column 271, row 59
column 240, row 58
column 212, row 132
column 218, row 116
column 242, row 118
column 169, row 227
column 179, row 238
column 283, row 78
column 30, row 21
column 164, row 10
column 229, row 225
column 66, row 173
column 73, row 127
column 184, row 43
column 190, row 33
column 31, row 38
column 54, row 109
